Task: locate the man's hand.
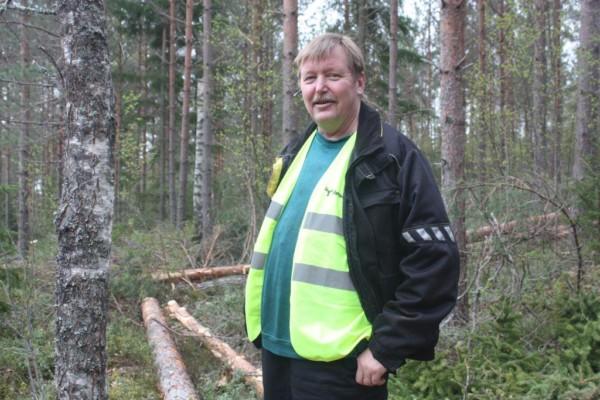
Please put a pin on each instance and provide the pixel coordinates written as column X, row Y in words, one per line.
column 369, row 371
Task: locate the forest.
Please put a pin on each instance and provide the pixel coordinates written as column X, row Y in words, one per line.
column 137, row 139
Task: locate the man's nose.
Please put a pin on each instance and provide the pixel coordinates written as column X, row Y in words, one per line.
column 321, row 84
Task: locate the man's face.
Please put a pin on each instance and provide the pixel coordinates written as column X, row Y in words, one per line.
column 331, row 93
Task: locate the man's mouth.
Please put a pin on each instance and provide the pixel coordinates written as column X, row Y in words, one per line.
column 320, row 102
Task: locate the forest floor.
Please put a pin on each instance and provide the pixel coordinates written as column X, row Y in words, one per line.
column 532, row 336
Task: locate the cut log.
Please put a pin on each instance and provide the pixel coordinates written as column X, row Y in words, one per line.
column 221, row 350
column 201, row 274
column 532, row 224
column 174, row 382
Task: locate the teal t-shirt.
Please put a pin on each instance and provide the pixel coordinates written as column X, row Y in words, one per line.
column 275, row 309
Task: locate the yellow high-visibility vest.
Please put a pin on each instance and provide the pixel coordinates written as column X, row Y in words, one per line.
column 326, row 319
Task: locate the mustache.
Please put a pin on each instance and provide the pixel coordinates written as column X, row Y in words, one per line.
column 322, row 99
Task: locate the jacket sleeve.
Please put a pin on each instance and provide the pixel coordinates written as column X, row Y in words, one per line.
column 408, row 326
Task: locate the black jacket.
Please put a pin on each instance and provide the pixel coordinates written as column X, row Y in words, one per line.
column 401, row 252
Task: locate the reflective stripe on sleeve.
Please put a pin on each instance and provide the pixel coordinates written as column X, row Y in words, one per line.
column 438, row 234
column 423, row 233
column 408, row 237
column 322, row 276
column 449, row 232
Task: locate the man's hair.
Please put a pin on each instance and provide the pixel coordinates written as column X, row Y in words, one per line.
column 322, row 46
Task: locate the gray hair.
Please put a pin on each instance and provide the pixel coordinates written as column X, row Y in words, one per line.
column 322, row 46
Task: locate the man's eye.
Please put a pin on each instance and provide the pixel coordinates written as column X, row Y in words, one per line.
column 309, row 78
column 334, row 77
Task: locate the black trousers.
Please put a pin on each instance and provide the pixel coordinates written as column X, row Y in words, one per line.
column 292, row 379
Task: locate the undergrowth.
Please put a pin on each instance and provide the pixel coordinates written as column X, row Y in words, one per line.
column 538, row 340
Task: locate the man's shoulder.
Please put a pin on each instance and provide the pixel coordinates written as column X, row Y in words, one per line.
column 396, row 142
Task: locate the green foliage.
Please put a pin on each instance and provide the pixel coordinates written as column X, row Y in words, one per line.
column 588, row 193
column 547, row 347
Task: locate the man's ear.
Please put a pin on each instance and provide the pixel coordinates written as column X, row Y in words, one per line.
column 361, row 81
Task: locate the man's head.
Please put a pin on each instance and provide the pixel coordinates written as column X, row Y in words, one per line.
column 332, row 81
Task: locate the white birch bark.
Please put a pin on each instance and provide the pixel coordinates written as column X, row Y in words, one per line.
column 84, row 217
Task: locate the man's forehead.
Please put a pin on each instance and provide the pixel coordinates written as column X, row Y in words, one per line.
column 330, row 57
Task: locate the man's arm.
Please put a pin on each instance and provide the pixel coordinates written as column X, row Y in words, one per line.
column 408, row 326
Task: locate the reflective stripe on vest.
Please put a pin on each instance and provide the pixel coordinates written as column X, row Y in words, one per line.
column 326, row 318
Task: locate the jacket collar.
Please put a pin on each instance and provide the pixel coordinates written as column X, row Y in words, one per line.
column 370, row 133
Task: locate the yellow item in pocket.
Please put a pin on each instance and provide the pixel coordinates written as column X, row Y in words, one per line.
column 275, row 176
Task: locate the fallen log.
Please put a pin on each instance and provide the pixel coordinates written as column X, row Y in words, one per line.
column 536, row 224
column 221, row 350
column 201, row 274
column 173, row 379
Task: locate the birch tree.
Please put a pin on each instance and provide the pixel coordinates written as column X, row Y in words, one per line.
column 84, row 218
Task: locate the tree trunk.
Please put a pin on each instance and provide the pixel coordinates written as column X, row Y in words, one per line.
column 506, row 104
column 172, row 138
column 118, row 121
column 290, row 49
column 588, row 91
column 84, row 218
column 346, row 17
column 204, row 135
column 362, row 25
column 558, row 93
column 201, row 274
column 24, row 196
column 185, row 120
column 482, row 95
column 221, row 350
column 6, row 182
column 540, row 139
column 164, row 132
column 143, row 115
column 452, row 99
column 173, row 380
column 392, row 96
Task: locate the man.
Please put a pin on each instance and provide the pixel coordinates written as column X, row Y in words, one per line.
column 355, row 264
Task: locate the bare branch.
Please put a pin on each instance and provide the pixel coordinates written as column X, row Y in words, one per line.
column 9, row 5
column 52, row 123
column 21, row 83
column 39, row 28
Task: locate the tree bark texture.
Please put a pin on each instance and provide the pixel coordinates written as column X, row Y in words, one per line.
column 290, row 49
column 482, row 95
column 84, row 218
column 24, row 195
column 118, row 123
column 201, row 274
column 221, row 350
column 204, row 135
column 164, row 132
column 588, row 101
column 452, row 32
column 392, row 96
column 558, row 92
column 172, row 138
column 539, row 89
column 185, row 112
column 173, row 380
